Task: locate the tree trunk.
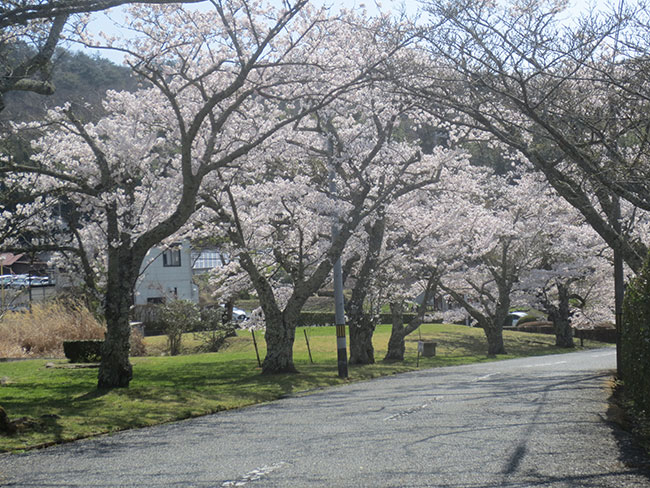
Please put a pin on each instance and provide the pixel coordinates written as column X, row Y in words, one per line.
column 362, row 322
column 561, row 321
column 494, row 335
column 280, row 336
column 115, row 370
column 361, row 349
column 493, row 327
column 396, row 346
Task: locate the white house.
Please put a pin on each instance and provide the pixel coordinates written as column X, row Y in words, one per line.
column 166, row 274
column 205, row 260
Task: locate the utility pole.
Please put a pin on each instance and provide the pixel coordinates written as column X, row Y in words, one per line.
column 619, row 286
column 2, row 283
column 342, row 353
column 619, row 277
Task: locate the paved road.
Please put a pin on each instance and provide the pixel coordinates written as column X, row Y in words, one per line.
column 520, row 423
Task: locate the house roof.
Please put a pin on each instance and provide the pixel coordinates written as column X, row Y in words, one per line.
column 7, row 258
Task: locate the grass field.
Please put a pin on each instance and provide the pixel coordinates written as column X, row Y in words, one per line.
column 62, row 404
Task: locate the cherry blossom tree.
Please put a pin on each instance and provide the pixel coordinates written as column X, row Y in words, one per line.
column 365, row 266
column 220, row 83
column 417, row 251
column 506, row 232
column 400, row 258
column 566, row 96
column 343, row 165
column 572, row 282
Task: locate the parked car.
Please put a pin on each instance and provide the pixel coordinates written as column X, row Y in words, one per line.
column 5, row 280
column 20, row 281
column 40, row 281
column 513, row 318
column 238, row 315
column 24, row 280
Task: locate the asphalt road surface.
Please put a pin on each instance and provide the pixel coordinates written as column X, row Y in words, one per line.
column 520, row 423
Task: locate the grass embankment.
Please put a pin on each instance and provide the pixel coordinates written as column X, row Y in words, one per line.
column 64, row 404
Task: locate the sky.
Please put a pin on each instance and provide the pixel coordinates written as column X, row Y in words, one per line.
column 101, row 21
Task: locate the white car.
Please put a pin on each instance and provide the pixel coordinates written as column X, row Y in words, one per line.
column 514, row 317
column 238, row 315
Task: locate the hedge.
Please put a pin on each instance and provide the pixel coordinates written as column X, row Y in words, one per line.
column 307, row 319
column 635, row 338
column 89, row 351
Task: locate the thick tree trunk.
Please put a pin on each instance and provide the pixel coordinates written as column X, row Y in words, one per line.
column 561, row 321
column 494, row 335
column 115, row 370
column 396, row 346
column 279, row 346
column 361, row 349
column 362, row 322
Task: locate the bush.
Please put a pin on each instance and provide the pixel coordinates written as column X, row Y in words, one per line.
column 136, row 344
column 214, row 333
column 308, row 319
column 41, row 331
column 387, row 318
column 635, row 338
column 83, row 351
column 527, row 319
column 178, row 317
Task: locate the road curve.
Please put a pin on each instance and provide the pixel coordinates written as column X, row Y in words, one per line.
column 519, row 423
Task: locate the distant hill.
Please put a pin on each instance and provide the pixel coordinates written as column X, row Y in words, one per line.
column 79, row 79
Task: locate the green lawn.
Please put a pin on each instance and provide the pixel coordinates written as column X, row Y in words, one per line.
column 63, row 404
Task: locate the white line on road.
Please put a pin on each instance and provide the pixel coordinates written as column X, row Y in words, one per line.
column 545, row 364
column 255, row 475
column 407, row 412
column 602, row 355
column 481, row 378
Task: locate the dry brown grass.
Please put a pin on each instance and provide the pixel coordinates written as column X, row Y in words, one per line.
column 41, row 331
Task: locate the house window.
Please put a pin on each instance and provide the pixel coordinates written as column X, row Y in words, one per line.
column 207, row 260
column 155, row 300
column 172, row 257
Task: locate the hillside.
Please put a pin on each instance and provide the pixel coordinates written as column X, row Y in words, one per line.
column 79, row 79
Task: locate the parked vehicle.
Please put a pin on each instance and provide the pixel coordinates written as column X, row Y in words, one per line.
column 20, row 281
column 513, row 318
column 24, row 280
column 238, row 315
column 39, row 280
column 5, row 280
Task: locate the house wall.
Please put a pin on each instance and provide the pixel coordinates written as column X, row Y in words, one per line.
column 160, row 280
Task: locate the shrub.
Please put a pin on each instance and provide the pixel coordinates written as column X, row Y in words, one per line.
column 386, row 318
column 214, row 333
column 41, row 331
column 635, row 338
column 527, row 319
column 178, row 317
column 83, row 351
column 136, row 344
column 308, row 319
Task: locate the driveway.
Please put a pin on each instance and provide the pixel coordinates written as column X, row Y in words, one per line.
column 519, row 423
